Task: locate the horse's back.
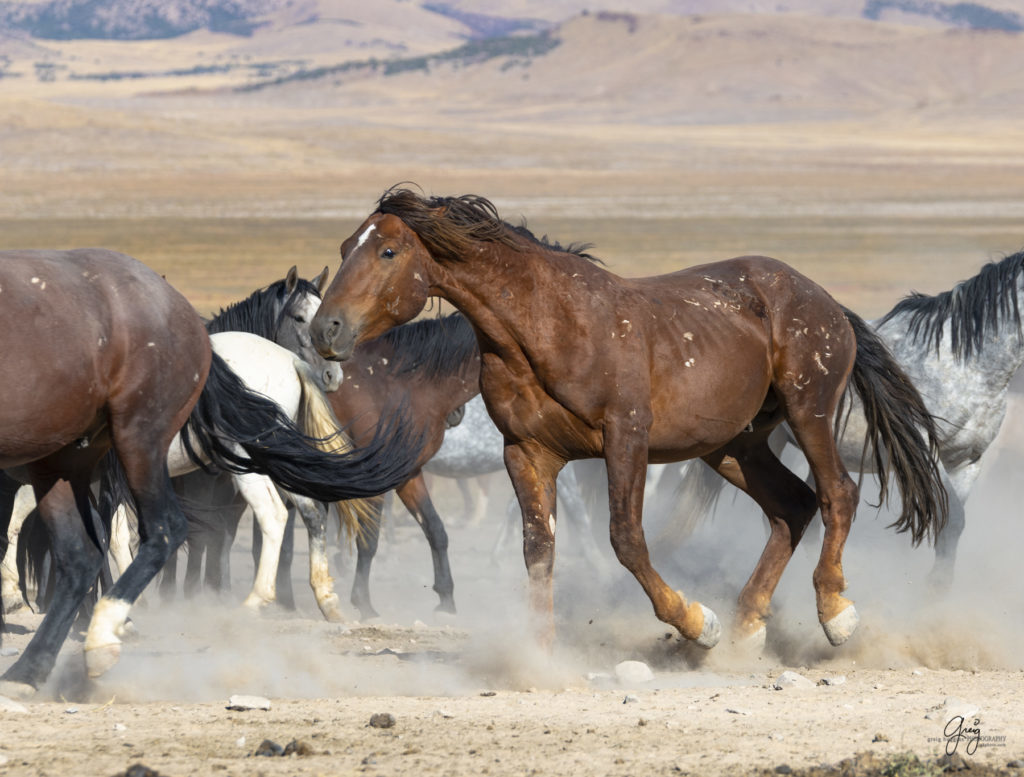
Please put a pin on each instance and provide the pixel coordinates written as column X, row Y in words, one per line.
column 89, row 335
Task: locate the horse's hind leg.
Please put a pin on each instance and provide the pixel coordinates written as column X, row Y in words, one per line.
column 837, row 498
column 162, row 529
column 24, row 502
column 958, row 486
column 789, row 505
column 77, row 560
column 314, row 515
column 271, row 514
column 415, row 497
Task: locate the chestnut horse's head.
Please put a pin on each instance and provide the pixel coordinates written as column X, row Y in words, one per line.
column 382, row 282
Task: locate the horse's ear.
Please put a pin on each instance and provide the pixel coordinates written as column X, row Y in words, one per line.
column 291, row 280
column 321, row 280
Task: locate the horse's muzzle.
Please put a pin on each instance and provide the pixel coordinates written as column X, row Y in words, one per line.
column 333, row 338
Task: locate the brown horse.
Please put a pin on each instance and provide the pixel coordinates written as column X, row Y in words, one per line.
column 580, row 363
column 99, row 351
column 101, row 354
column 432, row 368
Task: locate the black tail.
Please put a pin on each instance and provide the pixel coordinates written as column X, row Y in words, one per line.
column 228, row 413
column 901, row 434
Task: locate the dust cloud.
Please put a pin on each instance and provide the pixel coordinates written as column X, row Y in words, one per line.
column 206, row 649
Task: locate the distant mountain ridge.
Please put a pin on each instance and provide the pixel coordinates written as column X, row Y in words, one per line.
column 162, row 19
column 133, row 19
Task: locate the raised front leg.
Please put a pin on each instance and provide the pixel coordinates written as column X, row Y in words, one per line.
column 534, row 471
column 626, row 459
column 416, row 499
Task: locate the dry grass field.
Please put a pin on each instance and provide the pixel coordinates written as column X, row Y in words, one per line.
column 878, row 159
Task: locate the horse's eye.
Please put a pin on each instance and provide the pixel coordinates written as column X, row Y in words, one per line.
column 388, row 253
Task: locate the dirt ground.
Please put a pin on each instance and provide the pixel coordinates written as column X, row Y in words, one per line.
column 468, row 694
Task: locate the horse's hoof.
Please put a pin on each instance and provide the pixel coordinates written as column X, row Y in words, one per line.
column 712, row 631
column 754, row 642
column 16, row 690
column 841, row 627
column 255, row 604
column 12, row 604
column 100, row 660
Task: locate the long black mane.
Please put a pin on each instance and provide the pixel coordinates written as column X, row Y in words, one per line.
column 432, row 347
column 448, row 226
column 974, row 308
column 262, row 311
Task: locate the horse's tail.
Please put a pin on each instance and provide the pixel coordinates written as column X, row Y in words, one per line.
column 319, row 421
column 33, row 549
column 902, row 435
column 229, row 415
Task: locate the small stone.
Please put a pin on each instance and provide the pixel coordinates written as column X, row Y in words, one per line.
column 71, row 711
column 3, row 759
column 880, row 737
column 10, row 705
column 7, row 652
column 630, row 699
column 269, row 748
column 382, row 720
column 140, row 770
column 298, row 747
column 1016, row 763
column 631, row 672
column 775, row 736
column 737, row 711
column 783, row 769
column 240, row 702
column 952, row 763
column 791, row 680
column 370, row 760
column 837, row 680
column 120, row 727
column 240, row 742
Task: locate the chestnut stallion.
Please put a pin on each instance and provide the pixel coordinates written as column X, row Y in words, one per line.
column 580, row 363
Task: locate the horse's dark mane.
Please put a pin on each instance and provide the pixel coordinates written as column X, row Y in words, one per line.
column 448, row 226
column 973, row 308
column 261, row 312
column 433, row 347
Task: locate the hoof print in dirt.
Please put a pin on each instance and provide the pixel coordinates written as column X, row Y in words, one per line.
column 382, row 720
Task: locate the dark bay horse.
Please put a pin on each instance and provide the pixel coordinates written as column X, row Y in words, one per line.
column 433, row 368
column 580, row 363
column 101, row 353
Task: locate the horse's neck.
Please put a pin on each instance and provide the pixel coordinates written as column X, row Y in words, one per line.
column 497, row 289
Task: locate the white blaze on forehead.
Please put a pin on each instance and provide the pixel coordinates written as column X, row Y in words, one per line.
column 366, row 234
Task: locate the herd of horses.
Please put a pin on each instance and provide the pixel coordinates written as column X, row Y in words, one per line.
column 124, row 407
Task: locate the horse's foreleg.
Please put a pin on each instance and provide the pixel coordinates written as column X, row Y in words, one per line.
column 415, row 497
column 626, row 460
column 533, row 472
column 271, row 515
column 366, row 549
column 314, row 515
column 788, row 503
column 24, row 502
